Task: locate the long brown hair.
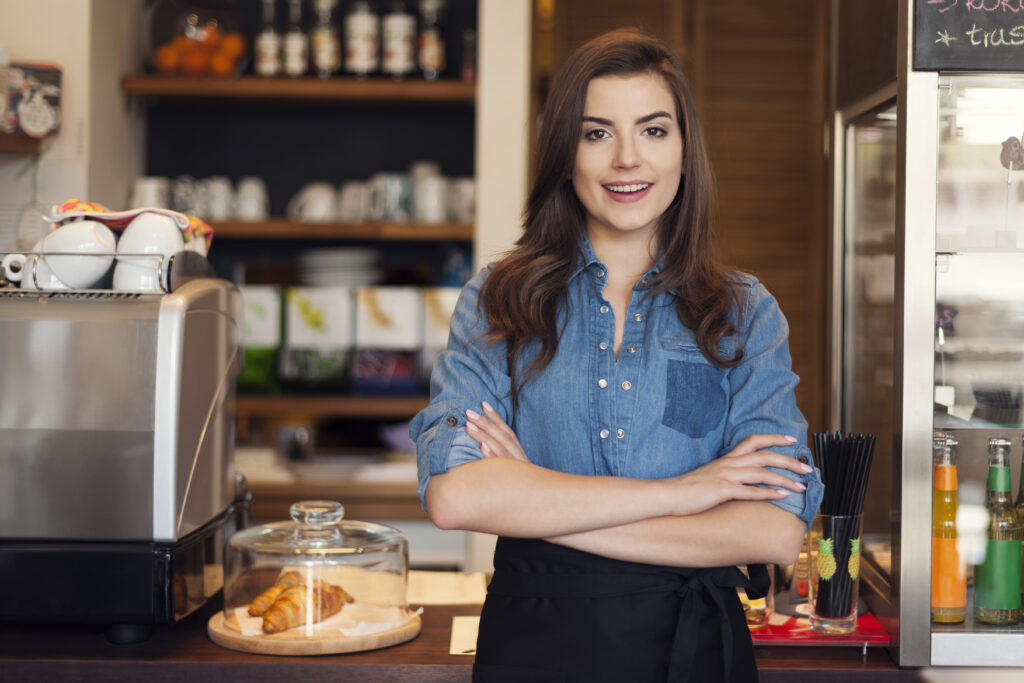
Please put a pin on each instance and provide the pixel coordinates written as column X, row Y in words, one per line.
column 526, row 290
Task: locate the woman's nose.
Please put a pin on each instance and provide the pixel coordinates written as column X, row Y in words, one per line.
column 626, row 154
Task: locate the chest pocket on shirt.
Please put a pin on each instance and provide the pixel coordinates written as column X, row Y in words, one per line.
column 695, row 401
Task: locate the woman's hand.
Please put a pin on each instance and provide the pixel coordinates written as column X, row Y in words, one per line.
column 734, row 475
column 497, row 440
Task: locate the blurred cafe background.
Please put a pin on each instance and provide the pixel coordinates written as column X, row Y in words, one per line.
column 359, row 160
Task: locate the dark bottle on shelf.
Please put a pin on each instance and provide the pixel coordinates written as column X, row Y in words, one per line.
column 469, row 55
column 398, row 27
column 296, row 42
column 325, row 41
column 268, row 44
column 997, row 579
column 431, row 45
column 362, row 39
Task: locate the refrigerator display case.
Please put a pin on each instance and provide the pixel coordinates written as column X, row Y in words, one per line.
column 928, row 311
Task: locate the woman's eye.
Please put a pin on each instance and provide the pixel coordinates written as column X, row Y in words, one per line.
column 596, row 134
column 655, row 131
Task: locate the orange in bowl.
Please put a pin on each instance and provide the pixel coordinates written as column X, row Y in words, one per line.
column 195, row 61
column 167, row 58
column 233, row 44
column 210, row 36
column 222, row 65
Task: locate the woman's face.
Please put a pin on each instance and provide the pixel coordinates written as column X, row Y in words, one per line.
column 629, row 159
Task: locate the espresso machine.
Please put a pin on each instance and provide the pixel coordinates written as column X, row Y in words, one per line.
column 117, row 484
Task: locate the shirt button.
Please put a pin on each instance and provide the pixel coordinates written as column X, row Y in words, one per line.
column 452, row 421
column 605, row 433
column 602, row 383
column 803, row 459
column 638, row 317
column 627, row 385
column 603, row 309
column 644, row 282
column 620, row 433
column 600, row 272
column 603, row 346
column 631, row 349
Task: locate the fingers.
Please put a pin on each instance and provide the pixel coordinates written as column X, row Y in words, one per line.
column 767, row 459
column 757, row 493
column 495, row 436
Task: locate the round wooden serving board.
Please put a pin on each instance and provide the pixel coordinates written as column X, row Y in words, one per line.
column 295, row 642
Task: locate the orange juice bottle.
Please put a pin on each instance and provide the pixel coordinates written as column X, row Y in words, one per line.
column 949, row 571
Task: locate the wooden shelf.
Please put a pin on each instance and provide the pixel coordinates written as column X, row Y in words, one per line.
column 397, row 407
column 19, row 143
column 284, row 229
column 305, row 88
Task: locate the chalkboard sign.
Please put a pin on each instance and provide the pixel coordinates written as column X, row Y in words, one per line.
column 969, row 35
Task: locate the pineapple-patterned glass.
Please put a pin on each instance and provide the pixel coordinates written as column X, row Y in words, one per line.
column 835, row 572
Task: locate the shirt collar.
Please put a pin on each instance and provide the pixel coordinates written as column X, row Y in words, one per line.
column 586, row 258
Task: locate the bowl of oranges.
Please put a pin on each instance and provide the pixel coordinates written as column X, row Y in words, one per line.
column 196, row 38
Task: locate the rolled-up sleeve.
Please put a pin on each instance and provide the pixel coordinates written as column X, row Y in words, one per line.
column 763, row 399
column 470, row 371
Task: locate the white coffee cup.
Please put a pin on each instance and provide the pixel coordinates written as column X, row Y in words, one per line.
column 461, row 200
column 74, row 256
column 390, row 197
column 31, row 271
column 218, row 198
column 251, row 199
column 152, row 191
column 430, row 199
column 314, row 203
column 353, row 202
column 159, row 238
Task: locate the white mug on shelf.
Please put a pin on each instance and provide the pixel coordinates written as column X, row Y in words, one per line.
column 144, row 252
column 252, row 202
column 314, row 203
column 462, row 200
column 353, row 202
column 218, row 198
column 152, row 191
column 390, row 197
column 429, row 199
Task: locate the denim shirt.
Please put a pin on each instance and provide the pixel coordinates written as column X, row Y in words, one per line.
column 659, row 410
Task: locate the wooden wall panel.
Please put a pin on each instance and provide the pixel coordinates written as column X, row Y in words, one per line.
column 759, row 73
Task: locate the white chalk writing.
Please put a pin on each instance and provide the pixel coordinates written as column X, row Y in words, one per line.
column 997, row 37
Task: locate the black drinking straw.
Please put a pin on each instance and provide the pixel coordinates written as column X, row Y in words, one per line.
column 844, row 462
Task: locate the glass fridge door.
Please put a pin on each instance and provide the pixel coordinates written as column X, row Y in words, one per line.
column 869, row 233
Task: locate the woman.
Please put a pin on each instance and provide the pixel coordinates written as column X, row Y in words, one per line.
column 618, row 409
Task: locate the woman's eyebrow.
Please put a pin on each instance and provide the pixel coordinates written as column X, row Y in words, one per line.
column 655, row 115
column 642, row 119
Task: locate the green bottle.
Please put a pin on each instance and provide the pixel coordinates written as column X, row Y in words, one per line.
column 997, row 579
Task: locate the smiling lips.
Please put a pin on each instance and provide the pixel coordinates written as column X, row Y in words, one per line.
column 627, row 192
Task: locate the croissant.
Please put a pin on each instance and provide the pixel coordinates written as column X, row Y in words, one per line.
column 267, row 597
column 304, row 604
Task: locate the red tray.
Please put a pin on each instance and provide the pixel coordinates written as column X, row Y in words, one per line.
column 783, row 629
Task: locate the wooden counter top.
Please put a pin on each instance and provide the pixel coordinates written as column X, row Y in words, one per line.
column 183, row 652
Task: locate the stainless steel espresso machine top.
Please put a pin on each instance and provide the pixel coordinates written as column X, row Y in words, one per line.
column 116, row 443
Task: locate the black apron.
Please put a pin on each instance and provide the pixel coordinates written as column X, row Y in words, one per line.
column 557, row 614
